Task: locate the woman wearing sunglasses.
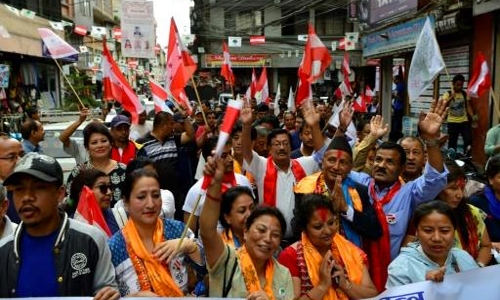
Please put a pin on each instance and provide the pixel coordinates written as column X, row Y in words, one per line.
column 100, row 185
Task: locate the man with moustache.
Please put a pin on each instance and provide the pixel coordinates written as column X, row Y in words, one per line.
column 50, row 255
column 393, row 201
column 415, row 157
column 277, row 174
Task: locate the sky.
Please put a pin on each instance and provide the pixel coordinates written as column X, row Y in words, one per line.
column 164, row 10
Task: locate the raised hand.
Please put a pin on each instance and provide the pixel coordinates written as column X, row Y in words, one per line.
column 246, row 115
column 377, row 126
column 345, row 115
column 429, row 124
column 84, row 113
column 311, row 116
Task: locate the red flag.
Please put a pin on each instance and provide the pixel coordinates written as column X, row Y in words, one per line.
column 316, row 57
column 180, row 68
column 343, row 90
column 226, row 71
column 368, row 95
column 304, row 90
column 57, row 47
column 257, row 39
column 117, row 33
column 480, row 80
column 117, row 87
column 262, row 88
column 251, row 88
column 359, row 104
column 80, row 30
column 89, row 212
column 159, row 96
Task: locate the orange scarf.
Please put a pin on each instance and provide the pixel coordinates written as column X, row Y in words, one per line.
column 227, row 237
column 343, row 253
column 153, row 275
column 272, row 175
column 250, row 276
column 238, row 170
column 380, row 251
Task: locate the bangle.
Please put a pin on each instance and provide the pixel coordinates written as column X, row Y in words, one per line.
column 195, row 248
column 216, row 199
column 431, row 143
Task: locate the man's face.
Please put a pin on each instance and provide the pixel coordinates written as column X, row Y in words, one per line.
column 280, row 148
column 458, row 86
column 260, row 146
column 289, row 120
column 142, row 118
column 237, row 143
column 168, row 127
column 39, row 134
column 10, row 152
column 415, row 157
column 211, row 119
column 261, row 114
column 228, row 158
column 387, row 166
column 298, row 122
column 320, row 109
column 121, row 133
column 336, row 163
column 306, row 136
column 36, row 201
column 198, row 118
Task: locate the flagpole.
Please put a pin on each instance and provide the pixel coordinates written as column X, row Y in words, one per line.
column 186, row 227
column 199, row 101
column 69, row 83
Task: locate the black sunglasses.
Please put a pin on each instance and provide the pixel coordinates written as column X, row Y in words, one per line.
column 103, row 188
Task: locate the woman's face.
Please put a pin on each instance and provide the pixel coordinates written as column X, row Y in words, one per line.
column 436, row 235
column 99, row 146
column 240, row 210
column 263, row 237
column 453, row 193
column 102, row 191
column 495, row 183
column 144, row 204
column 321, row 228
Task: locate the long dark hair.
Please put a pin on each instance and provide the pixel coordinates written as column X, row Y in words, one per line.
column 228, row 199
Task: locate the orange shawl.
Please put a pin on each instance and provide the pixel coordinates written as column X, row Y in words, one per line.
column 153, row 275
column 250, row 276
column 344, row 252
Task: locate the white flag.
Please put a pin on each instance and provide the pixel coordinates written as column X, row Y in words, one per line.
column 234, row 41
column 291, row 100
column 98, row 32
column 426, row 62
column 56, row 25
column 277, row 101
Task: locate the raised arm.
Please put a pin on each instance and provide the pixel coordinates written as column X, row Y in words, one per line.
column 246, row 140
column 212, row 241
column 188, row 134
column 377, row 130
column 429, row 126
column 345, row 119
column 68, row 132
column 312, row 118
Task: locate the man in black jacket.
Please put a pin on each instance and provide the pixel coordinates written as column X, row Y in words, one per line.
column 50, row 255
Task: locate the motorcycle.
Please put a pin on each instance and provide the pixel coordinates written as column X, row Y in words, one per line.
column 474, row 173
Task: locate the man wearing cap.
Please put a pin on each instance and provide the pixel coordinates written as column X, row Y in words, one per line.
column 277, row 174
column 50, row 255
column 358, row 220
column 123, row 149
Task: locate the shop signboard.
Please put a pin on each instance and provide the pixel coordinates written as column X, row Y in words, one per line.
column 480, row 7
column 383, row 10
column 238, row 60
column 395, row 39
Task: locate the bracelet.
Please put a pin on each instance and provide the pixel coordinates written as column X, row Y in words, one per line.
column 195, row 248
column 431, row 143
column 216, row 199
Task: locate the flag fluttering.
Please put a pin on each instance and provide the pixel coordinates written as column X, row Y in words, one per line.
column 227, row 71
column 180, row 68
column 116, row 86
column 88, row 211
column 250, row 93
column 304, row 90
column 480, row 80
column 316, row 57
column 159, row 96
column 291, row 100
column 426, row 63
column 262, row 88
column 277, row 101
column 57, row 47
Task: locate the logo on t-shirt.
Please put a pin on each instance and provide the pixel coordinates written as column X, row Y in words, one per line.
column 78, row 263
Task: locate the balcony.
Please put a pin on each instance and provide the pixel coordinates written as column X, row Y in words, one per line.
column 103, row 11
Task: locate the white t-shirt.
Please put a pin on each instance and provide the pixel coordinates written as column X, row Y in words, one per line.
column 195, row 190
column 138, row 130
column 285, row 198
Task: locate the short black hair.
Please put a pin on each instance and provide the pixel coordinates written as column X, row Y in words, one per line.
column 126, row 113
column 95, row 127
column 138, row 163
column 427, row 208
column 493, row 167
column 228, row 198
column 458, row 77
column 28, row 127
column 32, row 110
column 277, row 132
column 306, row 207
column 454, row 171
column 161, row 118
column 394, row 146
column 209, row 146
column 270, row 119
column 265, row 210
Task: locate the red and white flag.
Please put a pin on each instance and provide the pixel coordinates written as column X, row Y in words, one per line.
column 57, row 47
column 262, row 88
column 257, row 39
column 180, row 68
column 231, row 115
column 316, row 57
column 80, row 30
column 343, row 90
column 88, row 211
column 480, row 80
column 359, row 105
column 346, row 70
column 117, row 33
column 116, row 86
column 368, row 95
column 251, row 88
column 304, row 90
column 226, row 71
column 159, row 96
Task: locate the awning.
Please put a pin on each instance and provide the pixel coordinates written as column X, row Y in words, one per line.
column 24, row 37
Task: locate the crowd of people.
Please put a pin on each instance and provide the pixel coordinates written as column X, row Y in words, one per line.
column 295, row 208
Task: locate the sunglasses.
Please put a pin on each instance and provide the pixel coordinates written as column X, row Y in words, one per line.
column 103, row 188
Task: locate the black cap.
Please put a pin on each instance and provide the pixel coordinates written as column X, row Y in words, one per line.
column 178, row 117
column 119, row 120
column 340, row 143
column 43, row 167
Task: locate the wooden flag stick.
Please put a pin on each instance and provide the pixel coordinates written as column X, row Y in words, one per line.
column 186, row 228
column 199, row 100
column 69, row 83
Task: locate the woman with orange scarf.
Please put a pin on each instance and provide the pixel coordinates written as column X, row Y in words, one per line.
column 236, row 205
column 145, row 253
column 324, row 264
column 250, row 272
